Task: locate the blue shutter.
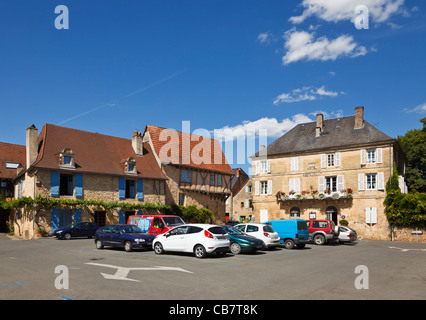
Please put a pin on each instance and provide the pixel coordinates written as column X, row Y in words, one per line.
column 55, row 219
column 121, row 188
column 77, row 215
column 79, row 185
column 54, row 184
column 140, row 189
column 19, row 189
column 22, row 187
column 121, row 217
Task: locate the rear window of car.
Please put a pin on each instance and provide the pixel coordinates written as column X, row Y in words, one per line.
column 251, row 228
column 217, row 230
column 268, row 228
column 301, row 225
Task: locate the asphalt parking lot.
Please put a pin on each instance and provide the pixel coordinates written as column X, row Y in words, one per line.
column 60, row 270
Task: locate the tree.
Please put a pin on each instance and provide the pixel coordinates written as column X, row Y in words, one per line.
column 413, row 143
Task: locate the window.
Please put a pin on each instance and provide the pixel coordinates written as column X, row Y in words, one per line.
column 219, row 180
column 212, row 178
column 251, row 228
column 66, row 185
column 242, row 204
column 181, row 199
column 130, row 166
column 67, row 160
column 371, row 181
column 330, row 160
column 12, row 165
column 130, row 189
column 295, row 213
column 331, row 183
column 263, row 187
column 263, row 166
column 185, row 176
column 371, row 156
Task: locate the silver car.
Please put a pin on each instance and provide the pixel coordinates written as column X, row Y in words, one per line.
column 347, row 235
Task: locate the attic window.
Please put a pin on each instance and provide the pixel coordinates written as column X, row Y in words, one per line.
column 12, row 165
column 130, row 165
column 66, row 158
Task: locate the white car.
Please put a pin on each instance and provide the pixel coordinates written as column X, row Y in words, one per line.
column 200, row 239
column 261, row 231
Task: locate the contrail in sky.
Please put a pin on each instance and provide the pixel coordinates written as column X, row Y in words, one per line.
column 126, row 96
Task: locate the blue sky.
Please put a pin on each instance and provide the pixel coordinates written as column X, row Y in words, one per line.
column 219, row 64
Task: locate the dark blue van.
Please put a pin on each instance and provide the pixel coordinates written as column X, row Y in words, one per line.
column 291, row 231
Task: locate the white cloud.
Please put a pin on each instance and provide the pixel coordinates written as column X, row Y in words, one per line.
column 419, row 109
column 339, row 10
column 302, row 45
column 265, row 37
column 304, row 94
column 274, row 128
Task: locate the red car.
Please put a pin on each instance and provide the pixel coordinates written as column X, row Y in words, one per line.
column 322, row 231
column 155, row 224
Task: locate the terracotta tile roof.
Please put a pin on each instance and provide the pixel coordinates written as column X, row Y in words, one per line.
column 180, row 148
column 94, row 152
column 10, row 153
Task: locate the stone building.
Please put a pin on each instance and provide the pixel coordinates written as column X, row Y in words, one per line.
column 239, row 205
column 329, row 169
column 64, row 163
column 196, row 168
column 12, row 157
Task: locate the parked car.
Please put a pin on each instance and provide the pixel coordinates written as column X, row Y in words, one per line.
column 322, row 231
column 241, row 242
column 124, row 236
column 261, row 231
column 155, row 224
column 200, row 239
column 292, row 232
column 76, row 230
column 347, row 235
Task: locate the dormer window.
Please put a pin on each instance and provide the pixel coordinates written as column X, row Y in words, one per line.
column 66, row 158
column 130, row 165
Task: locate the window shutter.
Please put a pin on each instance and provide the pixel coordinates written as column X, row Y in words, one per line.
column 257, row 164
column 79, row 185
column 360, row 181
column 140, row 189
column 297, row 185
column 54, row 185
column 121, row 217
column 257, row 188
column 268, row 166
column 291, row 185
column 321, row 184
column 323, row 160
column 269, row 187
column 121, row 188
column 362, row 156
column 77, row 215
column 55, row 219
column 246, row 203
column 19, row 190
column 373, row 215
column 381, row 181
column 294, row 163
column 337, row 159
column 379, row 155
column 340, row 182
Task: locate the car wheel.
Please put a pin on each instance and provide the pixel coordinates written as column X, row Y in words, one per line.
column 158, row 248
column 128, row 246
column 319, row 239
column 235, row 248
column 99, row 245
column 200, row 251
column 67, row 236
column 289, row 244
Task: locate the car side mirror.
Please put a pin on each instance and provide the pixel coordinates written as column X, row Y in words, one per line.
column 167, row 234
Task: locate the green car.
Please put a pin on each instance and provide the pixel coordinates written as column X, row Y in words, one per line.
column 241, row 242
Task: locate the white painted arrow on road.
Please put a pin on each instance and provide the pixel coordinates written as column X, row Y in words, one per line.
column 123, row 272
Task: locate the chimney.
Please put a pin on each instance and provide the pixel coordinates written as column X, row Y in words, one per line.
column 359, row 117
column 137, row 143
column 238, row 172
column 31, row 144
column 320, row 125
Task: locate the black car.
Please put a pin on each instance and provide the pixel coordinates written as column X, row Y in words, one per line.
column 76, row 230
column 125, row 236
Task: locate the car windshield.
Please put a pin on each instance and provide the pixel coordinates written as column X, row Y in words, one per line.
column 232, row 231
column 173, row 221
column 131, row 229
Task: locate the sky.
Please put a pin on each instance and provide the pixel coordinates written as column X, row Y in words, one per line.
column 112, row 66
